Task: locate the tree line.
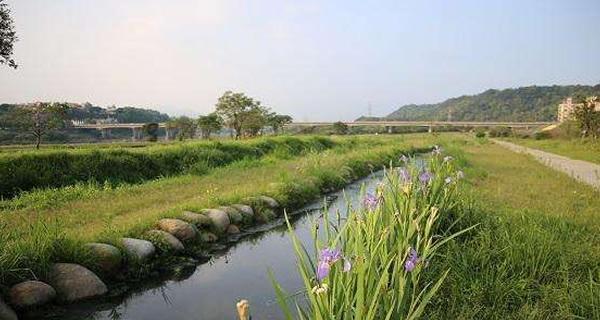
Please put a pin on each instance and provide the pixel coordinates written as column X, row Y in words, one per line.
column 242, row 115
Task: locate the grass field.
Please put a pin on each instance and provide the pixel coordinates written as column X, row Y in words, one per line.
column 586, row 150
column 535, row 253
column 51, row 225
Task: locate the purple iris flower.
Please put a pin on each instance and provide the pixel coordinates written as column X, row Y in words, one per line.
column 327, row 258
column 404, row 158
column 370, row 201
column 425, row 177
column 436, row 150
column 412, row 260
column 404, row 175
column 448, row 180
column 447, row 158
column 460, row 175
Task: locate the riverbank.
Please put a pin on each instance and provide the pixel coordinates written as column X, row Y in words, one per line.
column 58, row 234
column 535, row 253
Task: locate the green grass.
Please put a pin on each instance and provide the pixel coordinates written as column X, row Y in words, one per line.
column 536, row 251
column 579, row 149
column 49, row 230
column 57, row 168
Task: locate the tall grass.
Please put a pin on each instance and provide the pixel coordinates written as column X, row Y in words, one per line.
column 37, row 170
column 369, row 264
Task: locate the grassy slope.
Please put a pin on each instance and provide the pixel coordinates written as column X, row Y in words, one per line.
column 108, row 214
column 574, row 149
column 536, row 251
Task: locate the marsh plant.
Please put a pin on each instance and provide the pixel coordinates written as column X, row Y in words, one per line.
column 369, row 265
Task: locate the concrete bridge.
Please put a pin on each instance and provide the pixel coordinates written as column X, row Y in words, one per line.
column 137, row 129
column 428, row 124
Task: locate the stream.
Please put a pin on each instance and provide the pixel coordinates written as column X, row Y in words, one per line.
column 239, row 271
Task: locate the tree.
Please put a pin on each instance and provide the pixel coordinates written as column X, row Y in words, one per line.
column 186, row 127
column 278, row 121
column 39, row 118
column 255, row 120
column 587, row 117
column 8, row 36
column 340, row 128
column 151, row 130
column 209, row 124
column 234, row 108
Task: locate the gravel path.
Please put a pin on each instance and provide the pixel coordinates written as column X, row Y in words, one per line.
column 581, row 170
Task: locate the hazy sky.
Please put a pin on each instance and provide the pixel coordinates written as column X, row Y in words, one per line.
column 315, row 60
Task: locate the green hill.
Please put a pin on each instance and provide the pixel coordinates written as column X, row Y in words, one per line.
column 534, row 103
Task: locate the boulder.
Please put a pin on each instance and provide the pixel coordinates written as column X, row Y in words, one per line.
column 141, row 250
column 233, row 229
column 269, row 202
column 107, row 257
column 73, row 282
column 164, row 240
column 235, row 216
column 245, row 210
column 220, row 219
column 6, row 313
column 197, row 219
column 31, row 294
column 179, row 228
column 208, row 237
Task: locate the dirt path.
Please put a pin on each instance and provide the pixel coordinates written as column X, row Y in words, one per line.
column 581, row 170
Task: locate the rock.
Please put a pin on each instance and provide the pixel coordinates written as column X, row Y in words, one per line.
column 180, row 229
column 233, row 229
column 73, row 282
column 107, row 257
column 141, row 250
column 245, row 210
column 235, row 216
column 197, row 219
column 31, row 294
column 208, row 237
column 164, row 240
column 270, row 202
column 6, row 313
column 220, row 219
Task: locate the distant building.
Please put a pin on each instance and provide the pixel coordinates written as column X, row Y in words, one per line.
column 567, row 108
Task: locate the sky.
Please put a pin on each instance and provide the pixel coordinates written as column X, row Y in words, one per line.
column 315, row 60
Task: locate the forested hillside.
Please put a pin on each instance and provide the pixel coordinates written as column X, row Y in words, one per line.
column 535, row 103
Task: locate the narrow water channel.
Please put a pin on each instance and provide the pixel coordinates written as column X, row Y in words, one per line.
column 240, row 272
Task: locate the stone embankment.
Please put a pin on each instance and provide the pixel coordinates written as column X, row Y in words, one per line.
column 68, row 282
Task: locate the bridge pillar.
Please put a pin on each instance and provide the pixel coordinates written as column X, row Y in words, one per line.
column 168, row 134
column 137, row 133
column 430, row 129
column 389, row 130
column 105, row 132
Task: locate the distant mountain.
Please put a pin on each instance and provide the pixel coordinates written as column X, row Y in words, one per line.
column 534, row 103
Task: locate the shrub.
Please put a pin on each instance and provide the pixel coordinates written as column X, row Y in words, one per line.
column 540, row 135
column 480, row 133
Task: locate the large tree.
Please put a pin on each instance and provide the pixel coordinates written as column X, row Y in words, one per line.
column 236, row 109
column 255, row 120
column 278, row 121
column 209, row 124
column 8, row 36
column 39, row 118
